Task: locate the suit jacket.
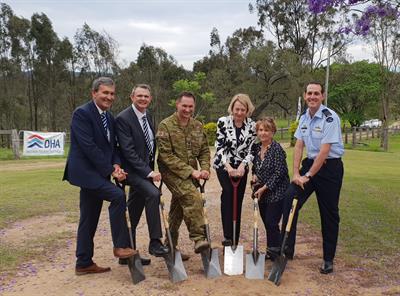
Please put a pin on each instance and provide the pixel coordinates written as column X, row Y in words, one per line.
column 230, row 150
column 134, row 153
column 91, row 156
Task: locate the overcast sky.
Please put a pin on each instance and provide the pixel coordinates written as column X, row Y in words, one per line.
column 181, row 28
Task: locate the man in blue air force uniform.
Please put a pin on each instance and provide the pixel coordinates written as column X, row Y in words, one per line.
column 321, row 171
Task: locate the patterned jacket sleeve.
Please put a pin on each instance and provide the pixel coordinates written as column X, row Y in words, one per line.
column 220, row 142
column 250, row 141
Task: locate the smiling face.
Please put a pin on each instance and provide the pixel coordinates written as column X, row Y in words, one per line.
column 104, row 97
column 141, row 98
column 185, row 108
column 239, row 112
column 264, row 134
column 313, row 96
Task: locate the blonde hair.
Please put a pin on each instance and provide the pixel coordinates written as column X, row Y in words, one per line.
column 268, row 123
column 244, row 100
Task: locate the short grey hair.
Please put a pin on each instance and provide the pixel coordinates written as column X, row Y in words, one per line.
column 102, row 81
column 142, row 85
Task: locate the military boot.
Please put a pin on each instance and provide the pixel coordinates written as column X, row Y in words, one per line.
column 201, row 245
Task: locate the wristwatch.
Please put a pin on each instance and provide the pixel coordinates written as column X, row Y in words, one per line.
column 308, row 175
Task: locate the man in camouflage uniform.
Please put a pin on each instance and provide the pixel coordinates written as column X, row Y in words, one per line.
column 182, row 144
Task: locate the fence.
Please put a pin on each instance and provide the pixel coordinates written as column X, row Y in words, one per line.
column 358, row 134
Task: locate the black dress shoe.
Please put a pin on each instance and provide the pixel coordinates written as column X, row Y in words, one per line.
column 327, row 267
column 145, row 261
column 156, row 248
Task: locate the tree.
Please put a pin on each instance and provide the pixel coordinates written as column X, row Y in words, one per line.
column 355, row 91
column 378, row 24
column 299, row 30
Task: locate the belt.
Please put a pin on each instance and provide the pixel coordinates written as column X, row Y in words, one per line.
column 326, row 160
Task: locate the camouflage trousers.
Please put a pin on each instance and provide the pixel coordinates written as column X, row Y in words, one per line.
column 186, row 205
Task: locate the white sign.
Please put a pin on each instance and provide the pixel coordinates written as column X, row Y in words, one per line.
column 38, row 143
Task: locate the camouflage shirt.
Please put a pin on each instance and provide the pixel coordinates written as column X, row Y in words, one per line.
column 181, row 148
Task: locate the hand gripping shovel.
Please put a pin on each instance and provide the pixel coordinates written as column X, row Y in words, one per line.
column 280, row 262
column 255, row 261
column 209, row 257
column 233, row 263
column 134, row 262
column 173, row 259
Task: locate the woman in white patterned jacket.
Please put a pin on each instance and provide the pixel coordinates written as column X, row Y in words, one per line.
column 235, row 135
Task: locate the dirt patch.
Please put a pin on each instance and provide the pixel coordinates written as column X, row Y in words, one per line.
column 55, row 276
column 31, row 165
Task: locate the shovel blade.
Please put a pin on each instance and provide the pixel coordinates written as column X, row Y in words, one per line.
column 255, row 268
column 211, row 265
column 136, row 269
column 277, row 269
column 177, row 272
column 233, row 261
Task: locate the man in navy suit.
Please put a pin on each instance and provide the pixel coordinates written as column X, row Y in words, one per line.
column 135, row 131
column 91, row 161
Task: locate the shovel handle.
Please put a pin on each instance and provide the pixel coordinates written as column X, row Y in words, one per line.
column 255, row 204
column 291, row 215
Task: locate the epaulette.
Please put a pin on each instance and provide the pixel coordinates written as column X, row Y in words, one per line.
column 326, row 112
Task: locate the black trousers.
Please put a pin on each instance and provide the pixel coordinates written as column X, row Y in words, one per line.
column 227, row 203
column 271, row 214
column 91, row 202
column 326, row 184
column 144, row 195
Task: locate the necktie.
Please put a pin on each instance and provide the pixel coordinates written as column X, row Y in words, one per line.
column 146, row 136
column 104, row 122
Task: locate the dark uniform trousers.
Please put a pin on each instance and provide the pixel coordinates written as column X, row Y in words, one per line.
column 326, row 184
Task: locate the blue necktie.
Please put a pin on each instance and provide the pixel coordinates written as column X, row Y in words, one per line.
column 146, row 136
column 104, row 121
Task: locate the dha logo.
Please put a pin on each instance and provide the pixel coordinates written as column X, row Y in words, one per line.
column 40, row 142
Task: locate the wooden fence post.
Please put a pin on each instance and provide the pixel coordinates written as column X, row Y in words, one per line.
column 15, row 143
column 353, row 144
column 346, row 135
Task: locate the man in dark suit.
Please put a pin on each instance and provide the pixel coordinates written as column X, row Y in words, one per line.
column 91, row 161
column 135, row 132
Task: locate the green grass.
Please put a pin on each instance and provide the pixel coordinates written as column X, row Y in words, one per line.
column 31, row 192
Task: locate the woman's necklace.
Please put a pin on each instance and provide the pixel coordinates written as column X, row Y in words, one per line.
column 264, row 149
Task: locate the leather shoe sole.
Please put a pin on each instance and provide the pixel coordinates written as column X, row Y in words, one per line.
column 124, row 252
column 91, row 269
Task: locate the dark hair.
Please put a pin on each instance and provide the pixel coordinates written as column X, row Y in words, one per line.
column 314, row 82
column 186, row 94
column 100, row 81
column 142, row 85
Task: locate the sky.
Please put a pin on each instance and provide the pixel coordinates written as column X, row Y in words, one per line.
column 181, row 27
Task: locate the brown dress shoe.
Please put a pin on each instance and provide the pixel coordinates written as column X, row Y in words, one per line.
column 94, row 268
column 124, row 252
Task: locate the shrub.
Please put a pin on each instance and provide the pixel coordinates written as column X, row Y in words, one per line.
column 211, row 131
column 292, row 130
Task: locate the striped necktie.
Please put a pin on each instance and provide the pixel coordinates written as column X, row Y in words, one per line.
column 147, row 136
column 104, row 122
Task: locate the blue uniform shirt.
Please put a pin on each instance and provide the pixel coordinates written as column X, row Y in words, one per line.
column 323, row 128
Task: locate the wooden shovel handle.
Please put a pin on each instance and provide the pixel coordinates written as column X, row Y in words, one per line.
column 291, row 215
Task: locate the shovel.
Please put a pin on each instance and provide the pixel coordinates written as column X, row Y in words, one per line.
column 134, row 262
column 173, row 259
column 209, row 257
column 280, row 262
column 233, row 263
column 255, row 261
